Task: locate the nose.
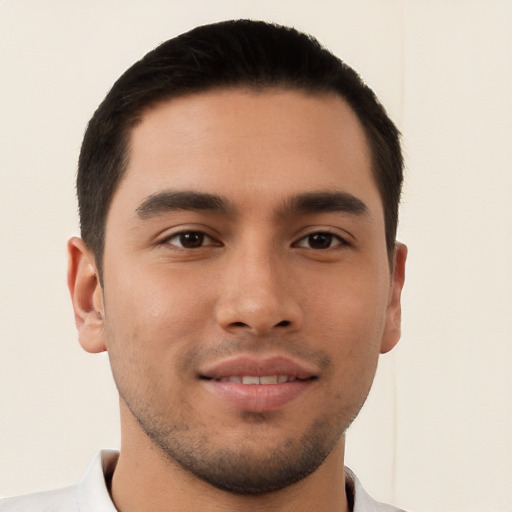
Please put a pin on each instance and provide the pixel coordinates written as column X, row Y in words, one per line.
column 259, row 296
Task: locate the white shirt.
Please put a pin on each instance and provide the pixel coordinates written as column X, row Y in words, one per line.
column 91, row 493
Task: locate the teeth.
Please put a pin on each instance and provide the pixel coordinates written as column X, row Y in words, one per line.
column 252, row 380
column 230, row 379
column 271, row 379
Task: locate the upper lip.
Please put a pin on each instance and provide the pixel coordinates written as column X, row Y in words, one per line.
column 245, row 365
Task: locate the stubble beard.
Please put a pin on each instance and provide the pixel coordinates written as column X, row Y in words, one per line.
column 239, row 469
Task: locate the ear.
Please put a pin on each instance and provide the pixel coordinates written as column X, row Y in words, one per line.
column 393, row 329
column 86, row 295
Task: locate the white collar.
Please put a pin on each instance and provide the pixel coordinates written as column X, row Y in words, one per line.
column 93, row 494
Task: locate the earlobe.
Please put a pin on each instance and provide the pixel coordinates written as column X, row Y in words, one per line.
column 87, row 296
column 393, row 331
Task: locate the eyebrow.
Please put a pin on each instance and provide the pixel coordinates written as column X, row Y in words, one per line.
column 308, row 202
column 169, row 200
column 325, row 201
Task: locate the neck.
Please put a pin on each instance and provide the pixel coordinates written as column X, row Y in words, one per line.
column 145, row 480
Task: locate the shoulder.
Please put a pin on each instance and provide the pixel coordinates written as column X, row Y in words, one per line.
column 58, row 500
column 361, row 500
column 89, row 495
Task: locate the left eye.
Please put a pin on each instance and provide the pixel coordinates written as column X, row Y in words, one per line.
column 190, row 240
column 320, row 241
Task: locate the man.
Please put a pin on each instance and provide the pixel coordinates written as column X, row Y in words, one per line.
column 238, row 191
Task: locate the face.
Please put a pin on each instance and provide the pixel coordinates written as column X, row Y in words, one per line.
column 247, row 289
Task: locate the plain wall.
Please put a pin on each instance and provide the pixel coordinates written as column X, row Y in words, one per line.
column 436, row 431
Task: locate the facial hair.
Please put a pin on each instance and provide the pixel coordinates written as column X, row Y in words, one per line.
column 244, row 471
column 242, row 468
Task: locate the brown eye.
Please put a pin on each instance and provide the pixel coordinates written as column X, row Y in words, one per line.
column 319, row 241
column 190, row 240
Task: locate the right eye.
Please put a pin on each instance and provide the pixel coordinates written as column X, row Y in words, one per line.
column 190, row 240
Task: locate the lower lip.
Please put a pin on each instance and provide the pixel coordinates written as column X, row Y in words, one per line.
column 258, row 397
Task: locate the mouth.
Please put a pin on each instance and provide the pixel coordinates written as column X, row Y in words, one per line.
column 254, row 385
column 253, row 380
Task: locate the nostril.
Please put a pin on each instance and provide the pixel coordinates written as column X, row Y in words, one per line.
column 283, row 323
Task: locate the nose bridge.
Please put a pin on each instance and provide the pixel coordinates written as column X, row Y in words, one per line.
column 259, row 279
column 258, row 295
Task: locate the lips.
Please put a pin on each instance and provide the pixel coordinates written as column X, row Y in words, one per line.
column 253, row 379
column 258, row 385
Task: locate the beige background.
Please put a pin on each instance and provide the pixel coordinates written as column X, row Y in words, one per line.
column 436, row 433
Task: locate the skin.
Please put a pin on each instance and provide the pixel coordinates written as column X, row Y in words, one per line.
column 258, row 285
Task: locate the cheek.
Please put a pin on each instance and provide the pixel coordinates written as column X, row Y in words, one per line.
column 150, row 326
column 351, row 321
column 352, row 311
column 155, row 302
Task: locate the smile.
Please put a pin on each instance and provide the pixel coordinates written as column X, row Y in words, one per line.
column 254, row 380
column 247, row 369
column 253, row 384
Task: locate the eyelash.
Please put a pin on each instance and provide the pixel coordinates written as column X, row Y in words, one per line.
column 331, row 237
column 340, row 241
column 182, row 234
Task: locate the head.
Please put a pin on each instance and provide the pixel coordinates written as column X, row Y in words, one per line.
column 239, row 189
column 229, row 54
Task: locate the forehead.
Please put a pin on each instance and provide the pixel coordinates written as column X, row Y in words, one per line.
column 250, row 144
